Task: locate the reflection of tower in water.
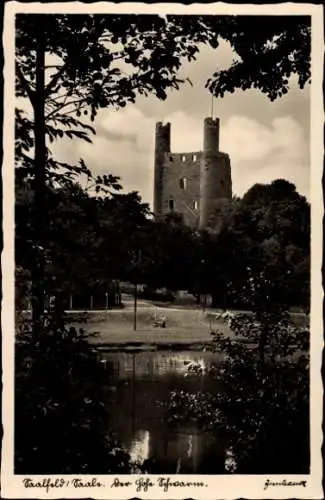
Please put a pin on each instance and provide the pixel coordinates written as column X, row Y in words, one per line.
column 142, row 370
column 139, row 449
column 178, row 452
column 193, row 442
column 145, row 381
column 133, row 393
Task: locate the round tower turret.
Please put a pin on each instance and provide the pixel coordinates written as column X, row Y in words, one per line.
column 215, row 177
column 211, row 136
column 162, row 146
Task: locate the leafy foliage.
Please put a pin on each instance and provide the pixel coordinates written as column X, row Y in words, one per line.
column 61, row 419
column 92, row 240
column 262, row 401
column 87, row 52
column 168, row 254
column 265, row 237
column 267, row 385
column 85, row 55
column 88, row 238
column 270, row 50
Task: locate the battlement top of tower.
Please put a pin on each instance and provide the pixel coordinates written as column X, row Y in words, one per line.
column 207, row 121
column 211, row 121
column 162, row 125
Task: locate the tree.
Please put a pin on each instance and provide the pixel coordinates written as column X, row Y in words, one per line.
column 168, row 253
column 60, row 400
column 270, row 50
column 268, row 235
column 88, row 238
column 223, row 212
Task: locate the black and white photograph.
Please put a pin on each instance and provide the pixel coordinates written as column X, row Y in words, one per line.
column 162, row 294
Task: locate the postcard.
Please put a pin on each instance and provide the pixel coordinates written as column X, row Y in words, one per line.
column 162, row 287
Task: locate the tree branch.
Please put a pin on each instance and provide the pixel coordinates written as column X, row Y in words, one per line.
column 83, row 105
column 24, row 83
column 76, row 101
column 49, row 115
column 55, row 100
column 54, row 80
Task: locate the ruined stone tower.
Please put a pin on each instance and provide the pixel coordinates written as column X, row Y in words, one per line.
column 162, row 148
column 191, row 183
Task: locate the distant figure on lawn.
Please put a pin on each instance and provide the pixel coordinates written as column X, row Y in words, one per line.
column 160, row 322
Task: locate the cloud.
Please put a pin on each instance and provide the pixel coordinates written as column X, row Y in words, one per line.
column 123, row 146
column 265, row 140
column 247, row 139
column 299, row 175
column 129, row 125
column 186, row 132
column 261, row 154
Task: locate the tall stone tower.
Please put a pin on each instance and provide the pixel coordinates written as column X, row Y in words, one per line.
column 162, row 148
column 191, row 183
column 215, row 178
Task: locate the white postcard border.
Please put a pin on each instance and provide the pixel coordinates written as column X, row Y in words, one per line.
column 223, row 486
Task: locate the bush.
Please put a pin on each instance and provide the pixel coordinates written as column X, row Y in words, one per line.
column 61, row 420
column 263, row 402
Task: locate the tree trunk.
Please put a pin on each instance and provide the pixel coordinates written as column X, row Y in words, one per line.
column 38, row 285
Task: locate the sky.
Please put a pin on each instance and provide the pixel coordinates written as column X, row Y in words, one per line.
column 265, row 140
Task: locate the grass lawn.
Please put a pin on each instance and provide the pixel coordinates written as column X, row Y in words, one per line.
column 183, row 326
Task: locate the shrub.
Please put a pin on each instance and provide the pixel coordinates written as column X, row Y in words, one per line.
column 262, row 405
column 61, row 420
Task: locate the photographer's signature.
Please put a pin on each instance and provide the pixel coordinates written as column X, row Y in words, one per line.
column 284, row 482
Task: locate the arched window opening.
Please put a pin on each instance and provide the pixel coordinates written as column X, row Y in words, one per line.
column 183, row 183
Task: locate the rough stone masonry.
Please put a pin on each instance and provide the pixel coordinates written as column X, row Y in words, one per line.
column 191, row 183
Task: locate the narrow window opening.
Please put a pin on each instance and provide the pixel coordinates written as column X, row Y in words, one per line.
column 194, row 157
column 222, row 183
column 183, row 158
column 183, row 183
column 171, row 158
column 195, row 205
column 171, row 204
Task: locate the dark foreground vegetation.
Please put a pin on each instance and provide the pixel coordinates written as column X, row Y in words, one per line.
column 256, row 256
column 262, row 402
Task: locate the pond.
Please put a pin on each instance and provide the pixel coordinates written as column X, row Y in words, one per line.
column 140, row 384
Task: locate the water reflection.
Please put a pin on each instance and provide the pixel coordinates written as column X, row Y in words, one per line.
column 141, row 385
column 153, row 364
column 139, row 448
